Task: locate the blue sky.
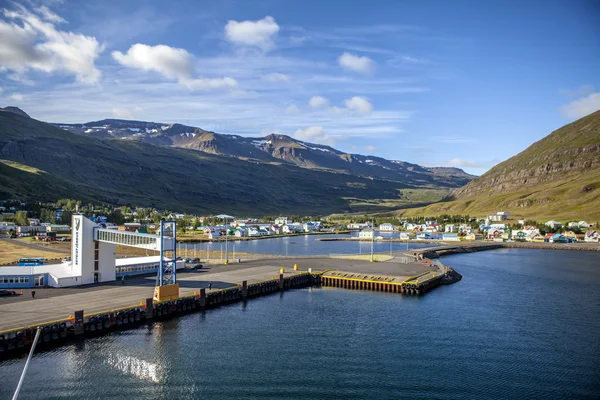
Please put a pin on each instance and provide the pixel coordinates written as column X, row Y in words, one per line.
column 438, row 83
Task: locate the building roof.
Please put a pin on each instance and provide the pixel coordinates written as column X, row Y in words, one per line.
column 131, row 261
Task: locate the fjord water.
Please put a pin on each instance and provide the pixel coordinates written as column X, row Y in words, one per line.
column 521, row 324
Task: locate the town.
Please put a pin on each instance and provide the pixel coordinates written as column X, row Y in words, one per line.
column 51, row 222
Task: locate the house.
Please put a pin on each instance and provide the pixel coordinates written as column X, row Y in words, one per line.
column 592, row 236
column 522, row 222
column 130, row 226
column 449, row 228
column 474, row 236
column 58, row 228
column 409, row 226
column 241, row 232
column 553, row 224
column 309, row 227
column 404, row 236
column 7, row 226
column 572, row 225
column 453, row 237
column 214, row 235
column 387, row 227
column 361, row 225
column 571, row 236
column 34, row 221
column 558, row 238
column 275, row 229
column 494, row 234
column 282, row 221
column 583, row 224
column 28, row 230
column 366, row 233
column 499, row 216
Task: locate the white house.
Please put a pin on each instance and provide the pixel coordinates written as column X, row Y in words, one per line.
column 452, row 237
column 33, row 221
column 387, row 227
column 499, row 216
column 240, row 232
column 214, row 235
column 356, row 225
column 275, row 229
column 366, row 233
column 583, row 224
column 449, row 228
column 592, row 236
column 404, row 236
column 573, row 225
column 282, row 221
column 309, row 227
column 522, row 221
column 7, row 226
column 553, row 224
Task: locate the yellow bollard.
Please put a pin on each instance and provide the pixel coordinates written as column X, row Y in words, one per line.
column 281, row 270
column 295, row 267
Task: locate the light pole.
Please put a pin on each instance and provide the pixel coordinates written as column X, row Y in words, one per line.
column 372, row 238
column 226, row 253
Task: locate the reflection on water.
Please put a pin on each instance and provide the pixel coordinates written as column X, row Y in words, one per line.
column 304, row 245
column 135, row 367
column 522, row 324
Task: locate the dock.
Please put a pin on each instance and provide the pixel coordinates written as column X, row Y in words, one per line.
column 106, row 306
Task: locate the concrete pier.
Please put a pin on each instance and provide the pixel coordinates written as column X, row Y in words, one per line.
column 116, row 305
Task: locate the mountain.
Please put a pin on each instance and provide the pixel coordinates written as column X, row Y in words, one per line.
column 556, row 177
column 14, row 110
column 271, row 149
column 39, row 161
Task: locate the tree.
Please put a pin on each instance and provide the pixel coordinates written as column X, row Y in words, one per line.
column 65, row 218
column 48, row 215
column 21, row 218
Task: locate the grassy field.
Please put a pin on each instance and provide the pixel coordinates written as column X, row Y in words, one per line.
column 572, row 198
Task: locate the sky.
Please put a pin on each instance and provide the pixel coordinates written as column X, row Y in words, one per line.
column 438, row 83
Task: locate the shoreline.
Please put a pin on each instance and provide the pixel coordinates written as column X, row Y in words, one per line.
column 579, row 246
column 245, row 238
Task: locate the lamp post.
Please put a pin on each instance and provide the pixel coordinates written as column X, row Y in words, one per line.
column 372, row 238
column 226, row 253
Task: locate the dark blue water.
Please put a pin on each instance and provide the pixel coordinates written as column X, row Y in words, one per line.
column 521, row 324
column 305, row 245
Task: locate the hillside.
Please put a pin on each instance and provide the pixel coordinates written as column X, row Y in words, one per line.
column 557, row 177
column 39, row 161
column 270, row 149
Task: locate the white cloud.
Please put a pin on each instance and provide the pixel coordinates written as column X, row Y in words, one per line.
column 16, row 97
column 37, row 44
column 1, row 90
column 292, row 109
column 582, row 107
column 122, row 113
column 209, row 84
column 49, row 15
column 314, row 134
column 370, row 148
column 276, row 77
column 458, row 162
column 171, row 62
column 581, row 91
column 259, row 33
column 359, row 105
column 360, row 64
column 318, row 102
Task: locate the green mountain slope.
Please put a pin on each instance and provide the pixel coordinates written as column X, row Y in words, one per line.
column 39, row 161
column 557, row 177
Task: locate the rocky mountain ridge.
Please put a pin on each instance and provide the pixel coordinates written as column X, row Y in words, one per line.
column 273, row 148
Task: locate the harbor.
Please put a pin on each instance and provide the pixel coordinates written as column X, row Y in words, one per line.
column 64, row 313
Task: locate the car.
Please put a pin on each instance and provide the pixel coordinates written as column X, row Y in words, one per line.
column 194, row 260
column 197, row 266
column 4, row 292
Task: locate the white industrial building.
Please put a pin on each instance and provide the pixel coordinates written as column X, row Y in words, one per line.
column 93, row 258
